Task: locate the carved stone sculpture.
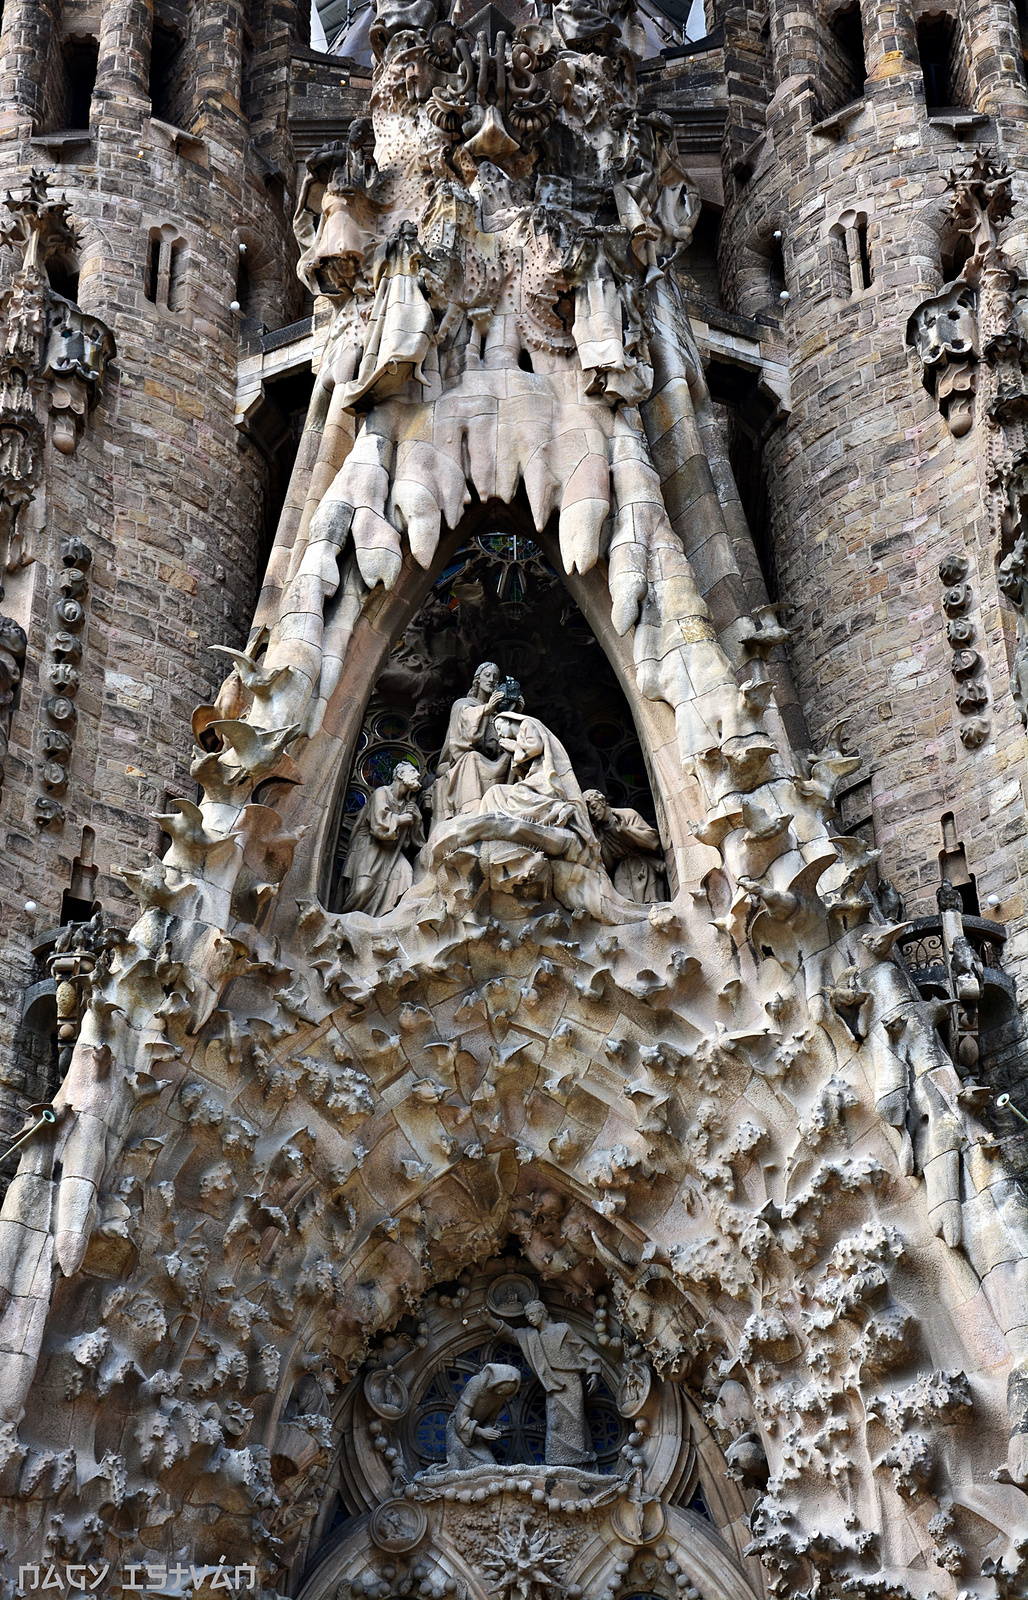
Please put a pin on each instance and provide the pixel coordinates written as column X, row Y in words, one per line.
column 376, row 870
column 471, row 759
column 248, row 1266
column 630, row 849
column 560, row 1360
column 471, row 1427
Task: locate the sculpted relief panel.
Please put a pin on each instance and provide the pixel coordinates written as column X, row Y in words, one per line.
column 488, row 1167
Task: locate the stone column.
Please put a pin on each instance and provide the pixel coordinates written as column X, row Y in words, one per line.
column 997, row 72
column 890, row 48
column 794, row 30
column 217, row 40
column 26, row 38
column 126, row 35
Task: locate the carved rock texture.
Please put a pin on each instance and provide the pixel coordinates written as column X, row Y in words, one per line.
column 296, row 1152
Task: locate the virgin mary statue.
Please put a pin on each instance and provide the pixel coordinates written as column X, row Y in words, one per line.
column 543, row 788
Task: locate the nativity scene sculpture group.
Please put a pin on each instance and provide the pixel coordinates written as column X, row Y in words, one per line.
column 497, row 763
column 705, row 1116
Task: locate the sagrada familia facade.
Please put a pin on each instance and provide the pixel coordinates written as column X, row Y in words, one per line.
column 513, row 837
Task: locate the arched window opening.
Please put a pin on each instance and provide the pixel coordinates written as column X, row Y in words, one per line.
column 80, row 58
column 850, row 256
column 748, row 412
column 953, row 866
column 942, row 67
column 778, row 294
column 497, row 600
column 244, row 288
column 955, row 256
column 62, row 270
column 845, row 66
column 167, row 100
column 164, row 271
column 696, row 267
column 78, row 901
column 1021, row 12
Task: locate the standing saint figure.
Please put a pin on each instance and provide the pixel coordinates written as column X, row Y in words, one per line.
column 630, row 849
column 376, row 871
column 471, row 758
column 471, row 1425
column 558, row 1357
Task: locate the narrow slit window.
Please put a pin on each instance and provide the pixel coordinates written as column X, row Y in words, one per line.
column 80, row 64
column 177, row 276
column 846, row 65
column 166, row 98
column 935, row 47
column 153, row 270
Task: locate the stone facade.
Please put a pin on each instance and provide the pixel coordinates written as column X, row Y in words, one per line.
column 526, row 1102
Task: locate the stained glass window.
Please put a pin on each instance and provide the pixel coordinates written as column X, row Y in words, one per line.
column 522, row 1422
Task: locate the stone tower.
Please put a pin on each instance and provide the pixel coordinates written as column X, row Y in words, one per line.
column 165, row 131
column 514, row 1079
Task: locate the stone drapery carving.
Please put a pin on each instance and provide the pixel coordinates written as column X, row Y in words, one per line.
column 721, row 1132
column 629, row 847
column 471, row 759
column 376, row 871
column 562, row 1363
column 471, row 1424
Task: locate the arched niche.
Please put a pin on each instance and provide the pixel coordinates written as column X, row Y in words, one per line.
column 397, row 1518
column 326, row 763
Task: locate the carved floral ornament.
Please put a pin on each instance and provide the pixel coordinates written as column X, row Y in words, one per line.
column 718, row 1133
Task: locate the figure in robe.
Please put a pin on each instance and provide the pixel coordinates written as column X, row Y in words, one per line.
column 470, row 1426
column 630, row 849
column 401, row 326
column 559, row 1358
column 376, row 871
column 543, row 787
column 472, row 758
column 336, row 213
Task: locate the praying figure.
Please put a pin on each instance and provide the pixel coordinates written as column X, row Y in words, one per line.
column 559, row 1358
column 471, row 758
column 471, row 1425
column 630, row 849
column 376, row 871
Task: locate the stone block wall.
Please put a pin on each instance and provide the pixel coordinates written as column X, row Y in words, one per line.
column 162, row 487
column 869, row 491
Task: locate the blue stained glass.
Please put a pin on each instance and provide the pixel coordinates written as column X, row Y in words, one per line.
column 606, row 1429
column 354, row 801
column 430, row 1435
column 379, row 765
column 699, row 1505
